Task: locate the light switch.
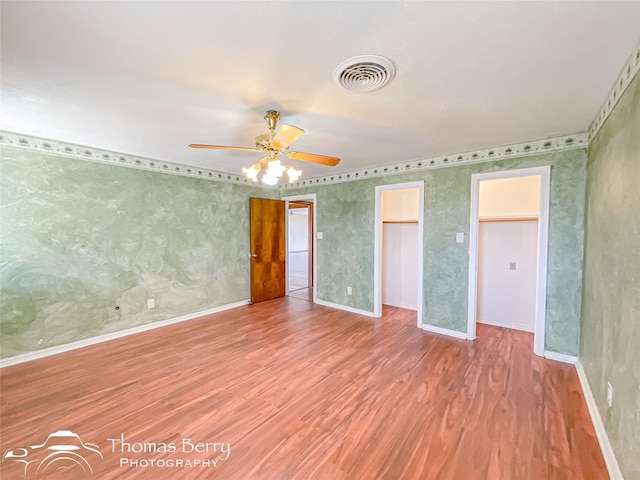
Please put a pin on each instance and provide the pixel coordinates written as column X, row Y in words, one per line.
column 459, row 237
column 512, row 265
column 319, row 235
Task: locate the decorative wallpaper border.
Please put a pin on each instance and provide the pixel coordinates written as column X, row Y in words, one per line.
column 563, row 142
column 54, row 147
column 631, row 67
column 28, row 142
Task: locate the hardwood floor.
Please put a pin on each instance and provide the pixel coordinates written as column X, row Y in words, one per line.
column 302, row 294
column 302, row 391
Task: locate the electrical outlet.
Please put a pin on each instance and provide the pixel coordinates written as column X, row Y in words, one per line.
column 319, row 235
column 151, row 303
column 460, row 237
column 609, row 394
column 349, row 291
column 512, row 265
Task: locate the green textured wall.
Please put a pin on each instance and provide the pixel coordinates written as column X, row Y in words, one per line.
column 610, row 341
column 79, row 238
column 345, row 215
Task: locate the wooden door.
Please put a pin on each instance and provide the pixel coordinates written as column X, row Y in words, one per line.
column 268, row 251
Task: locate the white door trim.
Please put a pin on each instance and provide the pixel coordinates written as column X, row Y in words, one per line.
column 543, row 242
column 377, row 246
column 311, row 197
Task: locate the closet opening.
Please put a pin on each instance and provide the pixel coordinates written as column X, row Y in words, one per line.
column 508, row 251
column 399, row 247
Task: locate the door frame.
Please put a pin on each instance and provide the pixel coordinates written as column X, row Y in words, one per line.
column 542, row 252
column 311, row 197
column 377, row 246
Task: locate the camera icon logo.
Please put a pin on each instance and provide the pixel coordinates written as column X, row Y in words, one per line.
column 63, row 452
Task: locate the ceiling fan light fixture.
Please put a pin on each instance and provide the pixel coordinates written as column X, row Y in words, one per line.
column 252, row 172
column 272, row 170
column 272, row 144
column 293, row 174
column 275, row 168
column 269, row 179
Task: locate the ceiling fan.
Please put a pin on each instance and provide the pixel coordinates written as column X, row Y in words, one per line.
column 273, row 144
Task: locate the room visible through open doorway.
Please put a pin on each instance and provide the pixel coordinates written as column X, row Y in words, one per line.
column 300, row 275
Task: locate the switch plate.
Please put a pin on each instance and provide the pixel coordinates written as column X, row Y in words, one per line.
column 151, row 303
column 349, row 291
column 512, row 265
column 319, row 235
column 459, row 237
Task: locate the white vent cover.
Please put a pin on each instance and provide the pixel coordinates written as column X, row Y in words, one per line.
column 364, row 73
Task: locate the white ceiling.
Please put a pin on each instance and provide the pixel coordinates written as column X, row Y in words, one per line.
column 148, row 78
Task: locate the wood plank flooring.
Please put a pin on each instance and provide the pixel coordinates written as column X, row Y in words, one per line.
column 300, row 391
column 303, row 294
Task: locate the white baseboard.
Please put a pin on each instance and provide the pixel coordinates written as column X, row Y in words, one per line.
column 560, row 357
column 346, row 308
column 47, row 352
column 505, row 325
column 601, row 433
column 444, row 331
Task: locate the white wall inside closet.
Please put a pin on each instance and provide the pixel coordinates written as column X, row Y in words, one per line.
column 507, row 252
column 399, row 246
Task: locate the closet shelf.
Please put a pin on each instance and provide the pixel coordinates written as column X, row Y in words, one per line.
column 400, row 221
column 509, row 219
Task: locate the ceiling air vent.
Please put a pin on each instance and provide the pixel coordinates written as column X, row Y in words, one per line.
column 364, row 73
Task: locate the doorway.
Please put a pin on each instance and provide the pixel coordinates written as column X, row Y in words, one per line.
column 398, row 247
column 508, row 251
column 301, row 256
column 300, row 248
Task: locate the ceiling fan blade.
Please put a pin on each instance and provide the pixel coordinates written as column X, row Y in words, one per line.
column 312, row 157
column 222, row 147
column 285, row 136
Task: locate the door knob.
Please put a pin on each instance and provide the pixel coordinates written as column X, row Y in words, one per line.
column 254, row 254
